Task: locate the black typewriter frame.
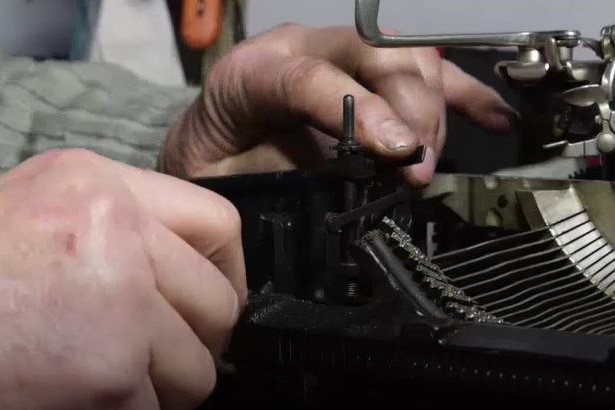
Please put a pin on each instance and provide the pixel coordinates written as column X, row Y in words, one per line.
column 300, row 346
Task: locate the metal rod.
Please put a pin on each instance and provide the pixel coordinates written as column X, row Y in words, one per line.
column 348, row 122
column 507, row 239
column 366, row 21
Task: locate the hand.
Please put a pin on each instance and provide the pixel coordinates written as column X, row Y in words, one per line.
column 275, row 102
column 118, row 289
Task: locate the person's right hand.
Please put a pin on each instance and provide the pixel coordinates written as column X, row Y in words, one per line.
column 118, row 288
column 274, row 102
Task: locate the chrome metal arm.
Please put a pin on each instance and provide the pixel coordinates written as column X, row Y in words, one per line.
column 540, row 54
column 366, row 20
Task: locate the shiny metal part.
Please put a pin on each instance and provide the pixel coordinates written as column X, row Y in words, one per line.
column 539, row 52
column 558, row 272
column 574, row 149
column 366, row 20
column 608, row 81
column 542, row 57
column 474, row 197
column 603, row 143
column 607, row 43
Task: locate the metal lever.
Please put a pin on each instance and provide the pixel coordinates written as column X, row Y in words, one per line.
column 366, row 20
column 604, row 142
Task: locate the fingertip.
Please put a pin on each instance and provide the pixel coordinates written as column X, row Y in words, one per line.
column 419, row 176
column 497, row 122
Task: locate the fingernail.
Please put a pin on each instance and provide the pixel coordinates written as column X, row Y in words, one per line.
column 505, row 109
column 500, row 122
column 396, row 136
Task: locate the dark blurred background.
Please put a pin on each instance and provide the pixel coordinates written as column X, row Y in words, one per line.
column 469, row 148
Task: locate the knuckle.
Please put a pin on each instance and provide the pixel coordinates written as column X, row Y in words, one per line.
column 45, row 157
column 296, row 77
column 33, row 166
column 74, row 156
column 81, row 217
column 287, row 26
column 371, row 109
column 280, row 38
column 78, row 168
column 209, row 385
column 376, row 63
column 231, row 309
column 432, row 53
column 229, row 217
column 236, row 305
column 242, row 300
column 224, row 310
column 110, row 374
column 67, row 160
column 113, row 387
column 208, row 379
column 104, row 222
column 81, row 186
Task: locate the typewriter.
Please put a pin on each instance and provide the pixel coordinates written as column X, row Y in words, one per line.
column 483, row 290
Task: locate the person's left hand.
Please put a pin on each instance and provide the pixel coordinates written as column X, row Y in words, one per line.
column 274, row 102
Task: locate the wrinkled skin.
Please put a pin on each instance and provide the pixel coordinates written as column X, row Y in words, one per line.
column 275, row 102
column 119, row 286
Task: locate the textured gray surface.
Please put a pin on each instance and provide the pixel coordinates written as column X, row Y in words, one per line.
column 97, row 106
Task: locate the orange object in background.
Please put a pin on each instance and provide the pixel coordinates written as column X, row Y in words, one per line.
column 201, row 22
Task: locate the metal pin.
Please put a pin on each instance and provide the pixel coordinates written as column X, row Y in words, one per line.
column 348, row 118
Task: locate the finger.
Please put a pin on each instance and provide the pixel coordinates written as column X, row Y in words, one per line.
column 144, row 398
column 312, row 89
column 199, row 292
column 182, row 369
column 205, row 220
column 412, row 86
column 409, row 80
column 480, row 103
column 420, row 175
column 430, row 63
column 307, row 148
column 423, row 109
